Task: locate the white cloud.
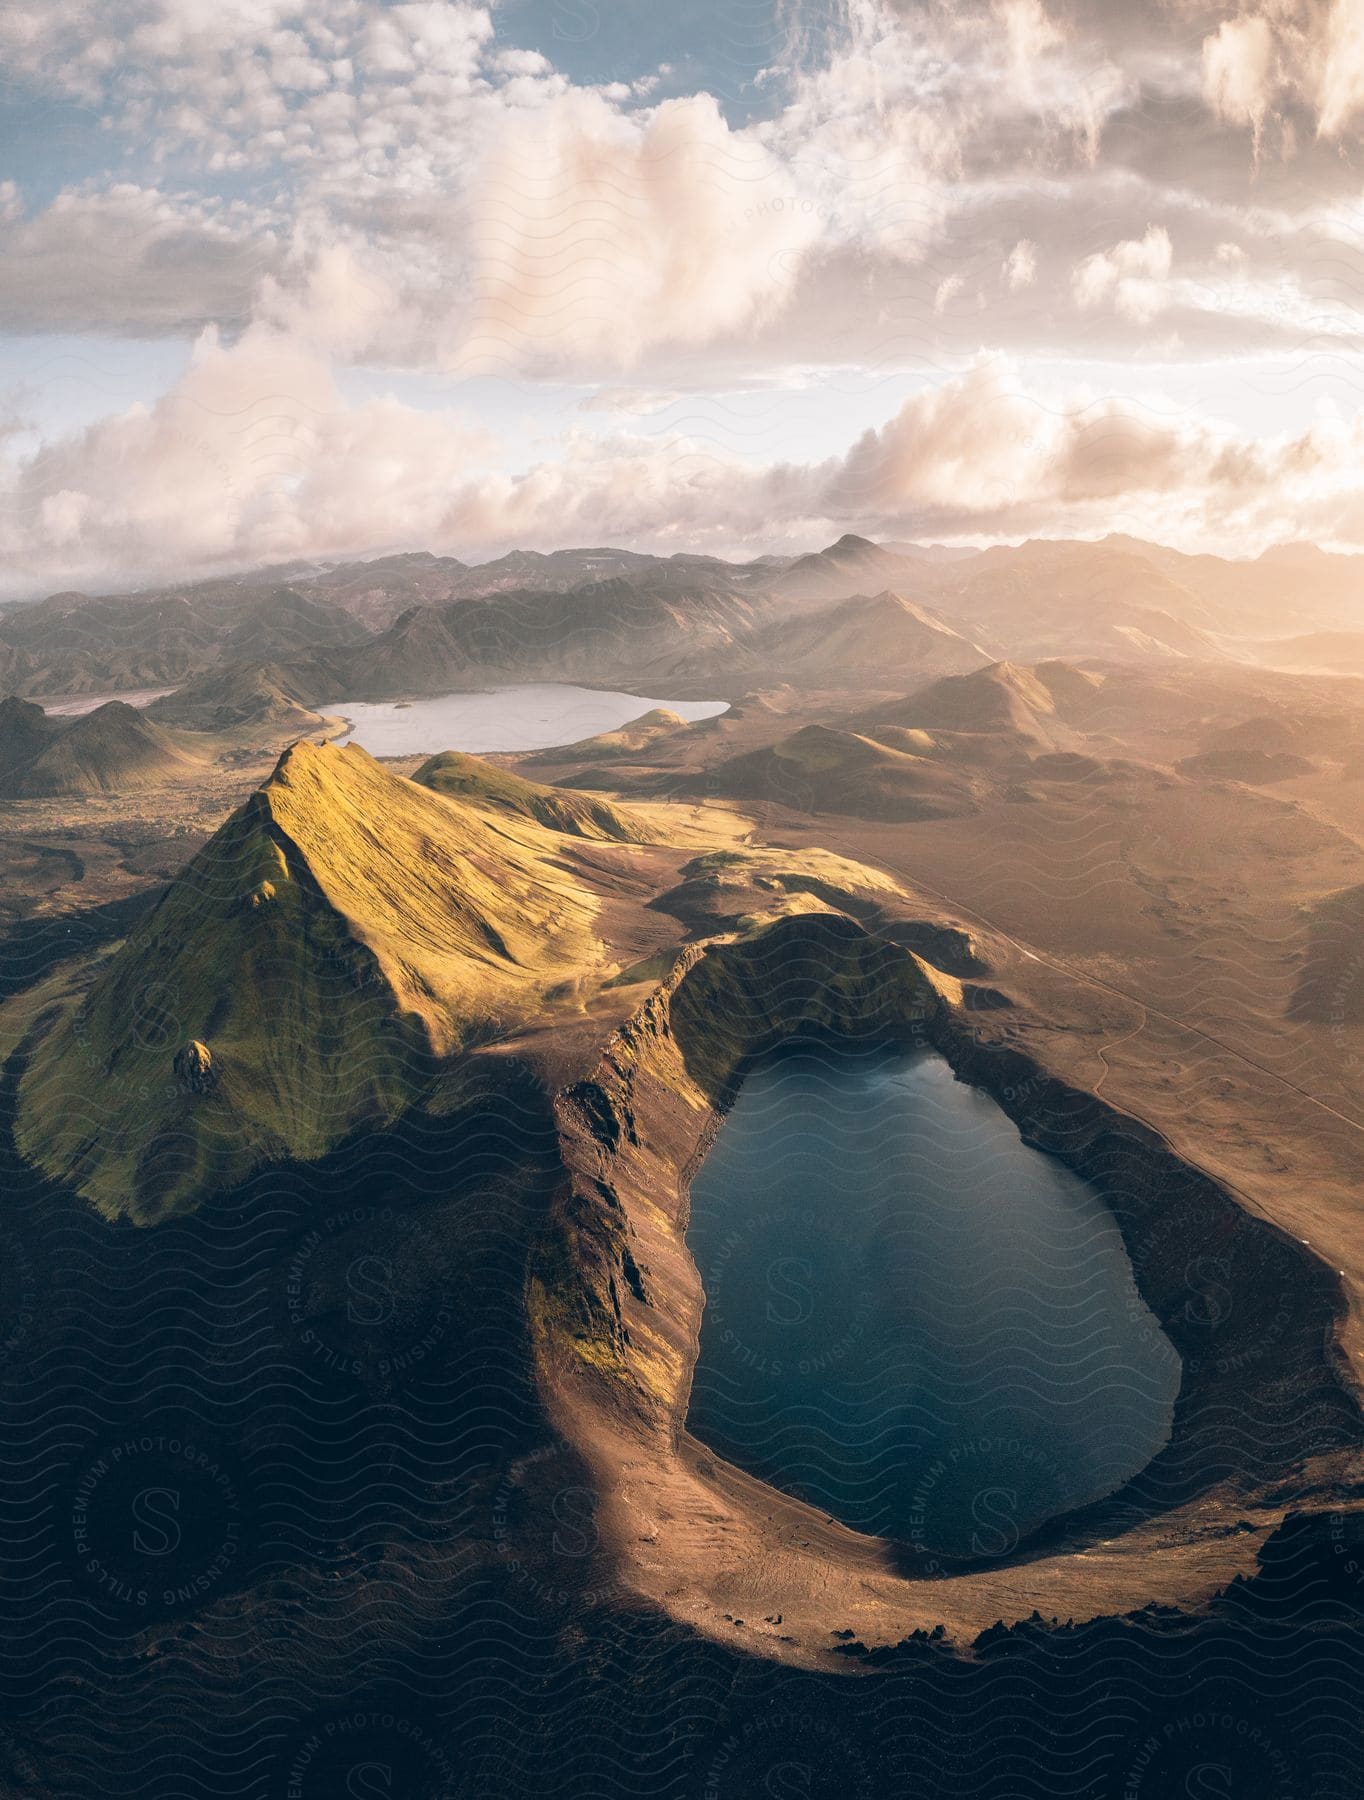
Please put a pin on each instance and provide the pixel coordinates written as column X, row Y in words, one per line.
column 1341, row 85
column 443, row 199
column 251, row 455
column 983, row 454
column 1132, row 275
column 1303, row 54
column 254, row 456
column 339, row 301
column 1239, row 71
column 595, row 236
column 1020, row 265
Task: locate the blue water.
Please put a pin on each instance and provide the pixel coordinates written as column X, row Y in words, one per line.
column 913, row 1320
column 534, row 716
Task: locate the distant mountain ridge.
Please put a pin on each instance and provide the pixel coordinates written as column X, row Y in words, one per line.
column 410, row 622
column 78, row 644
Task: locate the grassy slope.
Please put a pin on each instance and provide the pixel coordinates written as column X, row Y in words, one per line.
column 480, row 784
column 242, row 694
column 112, row 750
column 342, row 928
column 630, row 739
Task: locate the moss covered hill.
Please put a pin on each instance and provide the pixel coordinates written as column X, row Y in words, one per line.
column 495, row 790
column 113, row 750
column 343, row 930
column 629, row 740
column 241, row 694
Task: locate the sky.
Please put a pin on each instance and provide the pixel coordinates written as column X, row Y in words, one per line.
column 332, row 279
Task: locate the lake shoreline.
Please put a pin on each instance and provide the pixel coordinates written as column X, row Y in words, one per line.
column 502, row 721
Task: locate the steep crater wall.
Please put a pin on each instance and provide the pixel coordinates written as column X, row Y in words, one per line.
column 616, row 1300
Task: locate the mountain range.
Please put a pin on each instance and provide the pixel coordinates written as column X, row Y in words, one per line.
column 855, row 611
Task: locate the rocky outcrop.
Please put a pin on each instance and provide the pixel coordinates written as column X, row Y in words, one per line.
column 634, row 1128
column 195, row 1069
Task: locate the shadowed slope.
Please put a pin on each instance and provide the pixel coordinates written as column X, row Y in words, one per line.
column 25, row 731
column 854, row 565
column 341, row 931
column 110, row 751
column 1330, row 983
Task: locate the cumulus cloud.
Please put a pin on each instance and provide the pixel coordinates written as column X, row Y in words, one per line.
column 251, row 456
column 983, row 455
column 1288, row 55
column 1341, row 83
column 333, row 296
column 521, row 220
column 255, row 456
column 444, row 199
column 1239, row 72
column 594, row 235
column 1131, row 276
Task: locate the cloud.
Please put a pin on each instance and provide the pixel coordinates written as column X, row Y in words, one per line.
column 334, row 297
column 442, row 199
column 980, row 447
column 1020, row 265
column 251, row 456
column 1341, row 83
column 982, row 455
column 1132, row 276
column 1292, row 55
column 254, row 456
column 129, row 259
column 516, row 220
column 595, row 236
column 1239, row 76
